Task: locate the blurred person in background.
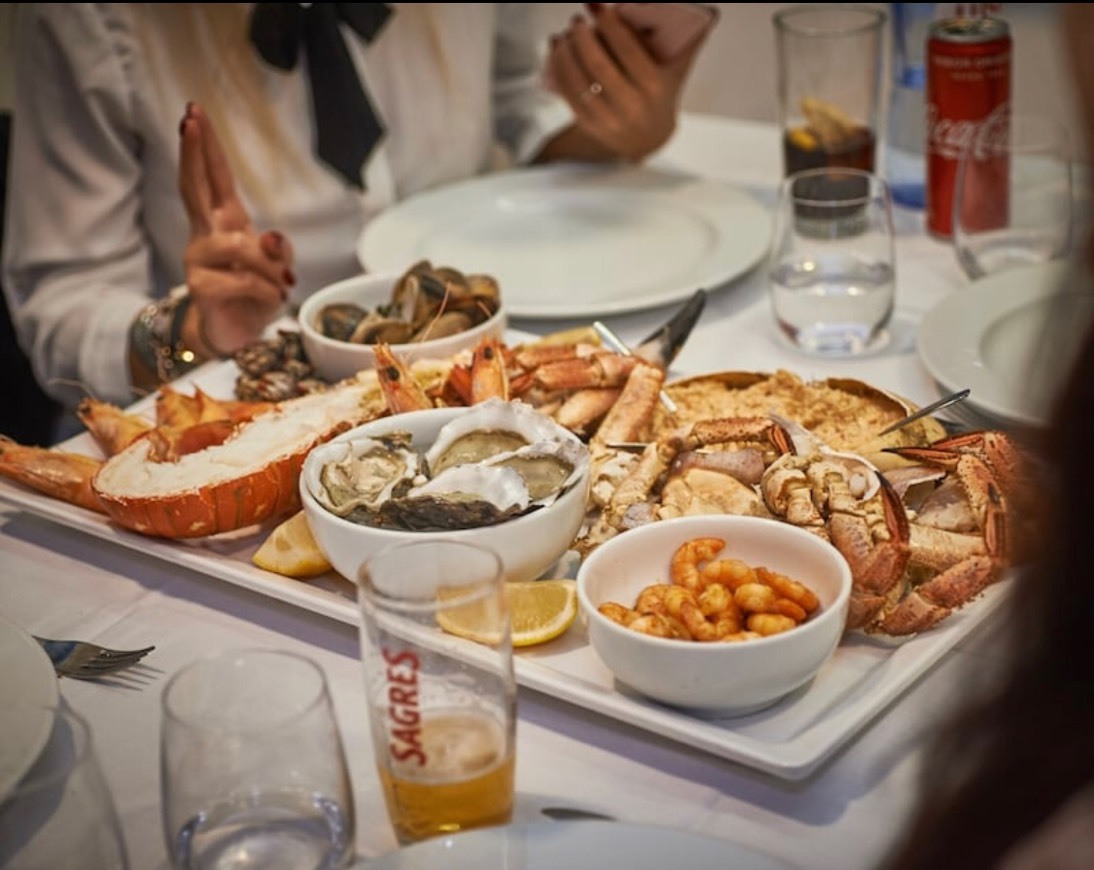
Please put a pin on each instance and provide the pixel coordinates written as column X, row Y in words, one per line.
column 1008, row 781
column 117, row 284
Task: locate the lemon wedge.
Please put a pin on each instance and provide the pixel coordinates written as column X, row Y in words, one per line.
column 291, row 550
column 539, row 611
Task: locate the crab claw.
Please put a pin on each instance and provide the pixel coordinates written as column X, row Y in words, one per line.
column 662, row 345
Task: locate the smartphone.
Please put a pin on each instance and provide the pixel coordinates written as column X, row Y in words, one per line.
column 666, row 29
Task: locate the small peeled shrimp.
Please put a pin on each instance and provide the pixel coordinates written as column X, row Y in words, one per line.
column 618, row 613
column 755, row 597
column 787, row 588
column 727, row 624
column 653, row 624
column 769, row 623
column 729, row 572
column 716, row 599
column 682, row 605
column 789, row 608
column 688, row 557
column 652, row 599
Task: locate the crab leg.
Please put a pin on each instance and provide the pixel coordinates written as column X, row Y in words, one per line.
column 635, row 406
column 934, row 600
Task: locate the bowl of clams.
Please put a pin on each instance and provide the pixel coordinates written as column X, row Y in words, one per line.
column 498, row 473
column 427, row 312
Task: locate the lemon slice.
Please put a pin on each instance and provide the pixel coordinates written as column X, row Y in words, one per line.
column 291, row 550
column 539, row 611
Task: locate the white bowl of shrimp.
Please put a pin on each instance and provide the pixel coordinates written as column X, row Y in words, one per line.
column 425, row 313
column 721, row 615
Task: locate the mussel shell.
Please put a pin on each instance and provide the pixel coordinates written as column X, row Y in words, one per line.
column 448, row 323
column 339, row 319
column 377, row 329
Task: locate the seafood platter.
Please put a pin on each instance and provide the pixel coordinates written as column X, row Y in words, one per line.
column 929, row 524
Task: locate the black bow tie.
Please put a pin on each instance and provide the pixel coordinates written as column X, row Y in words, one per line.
column 346, row 127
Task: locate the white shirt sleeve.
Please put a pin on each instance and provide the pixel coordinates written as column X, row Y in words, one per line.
column 76, row 264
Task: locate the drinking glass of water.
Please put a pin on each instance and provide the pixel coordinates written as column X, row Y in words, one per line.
column 1012, row 197
column 831, row 262
column 252, row 766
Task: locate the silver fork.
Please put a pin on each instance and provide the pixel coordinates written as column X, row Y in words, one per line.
column 88, row 661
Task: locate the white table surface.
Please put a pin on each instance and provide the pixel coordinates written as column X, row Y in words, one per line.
column 61, row 583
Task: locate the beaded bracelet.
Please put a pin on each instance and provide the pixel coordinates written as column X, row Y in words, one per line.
column 156, row 337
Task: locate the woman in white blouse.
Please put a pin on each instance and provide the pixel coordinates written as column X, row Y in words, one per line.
column 98, row 236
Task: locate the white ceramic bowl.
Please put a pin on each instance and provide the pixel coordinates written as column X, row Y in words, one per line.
column 528, row 545
column 334, row 360
column 714, row 679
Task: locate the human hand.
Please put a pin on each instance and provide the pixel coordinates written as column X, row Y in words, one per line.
column 238, row 279
column 622, row 98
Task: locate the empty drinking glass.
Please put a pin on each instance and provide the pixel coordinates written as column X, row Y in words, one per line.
column 1012, row 199
column 56, row 811
column 831, row 265
column 253, row 770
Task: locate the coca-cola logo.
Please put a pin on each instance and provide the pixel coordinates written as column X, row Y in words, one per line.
column 987, row 136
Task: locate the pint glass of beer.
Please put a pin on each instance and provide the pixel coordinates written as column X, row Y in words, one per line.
column 437, row 653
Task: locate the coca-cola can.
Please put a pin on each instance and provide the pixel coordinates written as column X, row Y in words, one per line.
column 968, row 105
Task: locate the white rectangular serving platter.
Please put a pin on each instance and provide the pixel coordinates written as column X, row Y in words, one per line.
column 789, row 740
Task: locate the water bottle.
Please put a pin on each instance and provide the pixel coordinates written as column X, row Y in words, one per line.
column 906, row 140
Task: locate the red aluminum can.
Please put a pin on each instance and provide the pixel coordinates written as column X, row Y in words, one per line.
column 968, row 104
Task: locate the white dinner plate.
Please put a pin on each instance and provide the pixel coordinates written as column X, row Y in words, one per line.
column 27, row 680
column 993, row 336
column 584, row 845
column 577, row 240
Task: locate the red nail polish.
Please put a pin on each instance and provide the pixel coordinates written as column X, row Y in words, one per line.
column 289, row 276
column 182, row 125
column 595, row 8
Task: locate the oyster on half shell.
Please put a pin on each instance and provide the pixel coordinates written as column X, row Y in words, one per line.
column 497, row 461
column 368, row 473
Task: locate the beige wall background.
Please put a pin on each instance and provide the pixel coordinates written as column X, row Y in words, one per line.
column 735, row 74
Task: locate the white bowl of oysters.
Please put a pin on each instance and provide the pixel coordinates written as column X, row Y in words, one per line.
column 427, row 312
column 498, row 473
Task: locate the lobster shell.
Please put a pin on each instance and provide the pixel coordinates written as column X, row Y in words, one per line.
column 250, row 477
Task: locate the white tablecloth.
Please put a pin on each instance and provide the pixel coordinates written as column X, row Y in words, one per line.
column 60, row 583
